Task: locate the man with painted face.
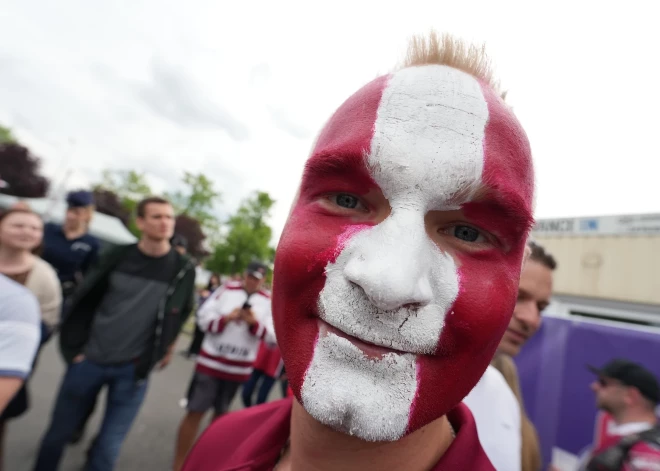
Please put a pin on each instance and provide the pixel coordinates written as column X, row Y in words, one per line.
column 396, row 276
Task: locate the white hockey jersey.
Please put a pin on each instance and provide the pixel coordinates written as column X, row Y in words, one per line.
column 230, row 348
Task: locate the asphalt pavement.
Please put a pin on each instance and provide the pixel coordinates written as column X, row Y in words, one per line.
column 150, row 443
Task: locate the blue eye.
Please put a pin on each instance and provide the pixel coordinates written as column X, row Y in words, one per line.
column 466, row 233
column 346, row 201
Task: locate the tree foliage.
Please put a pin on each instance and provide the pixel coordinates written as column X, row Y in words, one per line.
column 191, row 229
column 121, row 190
column 107, row 202
column 248, row 237
column 20, row 170
column 6, row 136
column 198, row 200
column 129, row 187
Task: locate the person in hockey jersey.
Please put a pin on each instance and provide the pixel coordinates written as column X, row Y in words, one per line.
column 395, row 277
column 236, row 319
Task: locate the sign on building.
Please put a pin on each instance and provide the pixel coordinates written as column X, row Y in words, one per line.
column 641, row 224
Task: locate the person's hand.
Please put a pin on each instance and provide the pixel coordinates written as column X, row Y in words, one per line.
column 248, row 316
column 78, row 358
column 233, row 315
column 166, row 359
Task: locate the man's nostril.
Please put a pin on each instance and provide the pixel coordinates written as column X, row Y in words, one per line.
column 412, row 306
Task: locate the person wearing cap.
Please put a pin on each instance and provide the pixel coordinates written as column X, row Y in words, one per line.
column 629, row 393
column 235, row 321
column 69, row 247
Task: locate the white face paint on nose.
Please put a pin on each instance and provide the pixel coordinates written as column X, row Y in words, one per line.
column 391, row 285
column 393, row 263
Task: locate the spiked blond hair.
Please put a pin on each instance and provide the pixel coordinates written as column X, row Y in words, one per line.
column 452, row 52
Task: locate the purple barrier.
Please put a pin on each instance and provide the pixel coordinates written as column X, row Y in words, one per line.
column 555, row 382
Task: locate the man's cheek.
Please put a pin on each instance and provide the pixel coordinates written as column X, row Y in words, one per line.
column 482, row 310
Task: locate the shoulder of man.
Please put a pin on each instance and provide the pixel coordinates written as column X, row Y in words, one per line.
column 247, row 437
column 496, row 412
column 645, row 454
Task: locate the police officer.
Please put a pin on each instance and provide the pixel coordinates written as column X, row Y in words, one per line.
column 69, row 248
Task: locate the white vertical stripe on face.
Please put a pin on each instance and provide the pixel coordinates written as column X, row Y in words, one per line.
column 426, row 154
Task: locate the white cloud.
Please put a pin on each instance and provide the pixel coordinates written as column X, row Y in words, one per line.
column 239, row 90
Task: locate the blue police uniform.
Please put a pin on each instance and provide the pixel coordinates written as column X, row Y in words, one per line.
column 70, row 257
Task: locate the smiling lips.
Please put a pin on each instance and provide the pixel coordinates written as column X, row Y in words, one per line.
column 516, row 336
column 370, row 350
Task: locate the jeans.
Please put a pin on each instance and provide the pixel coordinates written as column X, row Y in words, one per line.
column 249, row 387
column 80, row 386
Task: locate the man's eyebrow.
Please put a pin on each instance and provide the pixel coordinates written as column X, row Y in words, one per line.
column 500, row 209
column 322, row 166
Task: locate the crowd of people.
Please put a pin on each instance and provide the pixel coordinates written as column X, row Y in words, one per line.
column 405, row 285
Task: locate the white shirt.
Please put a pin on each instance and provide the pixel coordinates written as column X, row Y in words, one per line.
column 497, row 414
column 20, row 329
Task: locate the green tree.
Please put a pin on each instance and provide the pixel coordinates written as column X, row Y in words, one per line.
column 6, row 136
column 130, row 187
column 248, row 237
column 197, row 201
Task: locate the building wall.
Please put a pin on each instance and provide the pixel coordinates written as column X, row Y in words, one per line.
column 623, row 268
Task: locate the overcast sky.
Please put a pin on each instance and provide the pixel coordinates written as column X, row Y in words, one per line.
column 238, row 90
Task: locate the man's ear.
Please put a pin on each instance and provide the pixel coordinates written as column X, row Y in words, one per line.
column 528, row 252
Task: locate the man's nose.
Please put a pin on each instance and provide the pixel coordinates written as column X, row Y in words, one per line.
column 393, row 262
column 528, row 314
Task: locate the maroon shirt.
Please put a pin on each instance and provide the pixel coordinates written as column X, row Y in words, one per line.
column 252, row 439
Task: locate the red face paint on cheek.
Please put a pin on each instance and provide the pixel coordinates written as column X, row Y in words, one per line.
column 312, row 238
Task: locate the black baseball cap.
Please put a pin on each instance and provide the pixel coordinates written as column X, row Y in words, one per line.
column 79, row 199
column 631, row 374
column 257, row 270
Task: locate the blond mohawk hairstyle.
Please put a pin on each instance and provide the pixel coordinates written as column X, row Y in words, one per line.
column 452, row 52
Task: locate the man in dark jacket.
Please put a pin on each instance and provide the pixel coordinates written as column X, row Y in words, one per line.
column 121, row 322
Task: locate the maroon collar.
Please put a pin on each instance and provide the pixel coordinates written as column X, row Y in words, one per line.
column 252, row 439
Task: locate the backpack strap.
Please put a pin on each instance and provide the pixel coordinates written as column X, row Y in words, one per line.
column 614, row 457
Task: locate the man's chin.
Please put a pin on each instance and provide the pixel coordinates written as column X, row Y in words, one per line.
column 508, row 348
column 357, row 395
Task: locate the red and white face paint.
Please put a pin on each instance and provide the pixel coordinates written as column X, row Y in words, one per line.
column 397, row 272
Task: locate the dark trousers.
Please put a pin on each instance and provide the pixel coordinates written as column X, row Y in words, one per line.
column 80, row 386
column 253, row 383
column 196, row 343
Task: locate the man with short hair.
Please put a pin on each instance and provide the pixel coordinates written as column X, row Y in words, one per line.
column 235, row 319
column 534, row 293
column 497, row 412
column 629, row 393
column 396, row 275
column 122, row 321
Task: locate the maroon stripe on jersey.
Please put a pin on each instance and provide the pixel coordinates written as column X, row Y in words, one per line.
column 226, row 361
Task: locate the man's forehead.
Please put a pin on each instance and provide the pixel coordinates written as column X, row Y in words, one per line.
column 422, row 127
